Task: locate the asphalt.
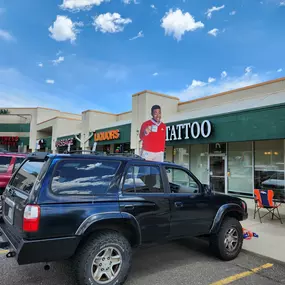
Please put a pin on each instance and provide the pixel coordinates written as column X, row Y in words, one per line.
column 177, row 263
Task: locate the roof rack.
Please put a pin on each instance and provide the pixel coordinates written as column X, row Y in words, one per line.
column 125, row 154
column 103, row 153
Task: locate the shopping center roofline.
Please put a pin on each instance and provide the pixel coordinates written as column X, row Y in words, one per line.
column 44, row 108
column 155, row 93
column 59, row 117
column 234, row 90
column 107, row 113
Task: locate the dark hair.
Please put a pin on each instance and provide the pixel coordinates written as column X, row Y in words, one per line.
column 155, row 107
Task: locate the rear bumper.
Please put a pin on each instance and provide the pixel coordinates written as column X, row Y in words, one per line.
column 34, row 251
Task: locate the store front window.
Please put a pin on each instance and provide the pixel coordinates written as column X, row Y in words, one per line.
column 240, row 172
column 269, row 166
column 199, row 162
column 181, row 155
column 122, row 148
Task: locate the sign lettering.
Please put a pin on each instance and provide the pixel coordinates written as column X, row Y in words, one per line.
column 12, row 141
column 64, row 142
column 107, row 136
column 188, row 130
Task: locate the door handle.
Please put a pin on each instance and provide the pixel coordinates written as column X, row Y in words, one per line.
column 129, row 207
column 178, row 204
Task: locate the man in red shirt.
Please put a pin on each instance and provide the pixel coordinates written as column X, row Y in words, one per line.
column 153, row 135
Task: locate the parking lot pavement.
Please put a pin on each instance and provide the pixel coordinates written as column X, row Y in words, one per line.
column 182, row 262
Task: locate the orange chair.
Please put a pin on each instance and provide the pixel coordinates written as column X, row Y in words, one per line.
column 264, row 200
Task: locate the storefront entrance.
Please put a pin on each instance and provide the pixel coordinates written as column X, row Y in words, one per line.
column 217, row 172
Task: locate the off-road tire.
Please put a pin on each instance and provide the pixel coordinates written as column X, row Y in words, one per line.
column 84, row 257
column 217, row 244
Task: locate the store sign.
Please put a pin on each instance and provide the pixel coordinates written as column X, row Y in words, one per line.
column 12, row 141
column 4, row 112
column 107, row 136
column 187, row 131
column 64, row 142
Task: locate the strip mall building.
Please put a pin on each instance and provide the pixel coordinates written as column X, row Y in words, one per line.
column 234, row 140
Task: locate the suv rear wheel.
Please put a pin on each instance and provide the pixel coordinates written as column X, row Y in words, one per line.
column 227, row 243
column 104, row 259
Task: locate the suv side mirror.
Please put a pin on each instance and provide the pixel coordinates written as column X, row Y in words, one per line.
column 207, row 189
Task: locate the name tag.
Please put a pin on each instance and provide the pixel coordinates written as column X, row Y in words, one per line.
column 154, row 128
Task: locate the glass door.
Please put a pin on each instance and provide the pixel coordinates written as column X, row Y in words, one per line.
column 217, row 169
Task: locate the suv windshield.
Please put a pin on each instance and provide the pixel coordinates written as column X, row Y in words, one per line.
column 4, row 163
column 27, row 175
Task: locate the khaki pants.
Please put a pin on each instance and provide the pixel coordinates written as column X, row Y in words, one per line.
column 153, row 156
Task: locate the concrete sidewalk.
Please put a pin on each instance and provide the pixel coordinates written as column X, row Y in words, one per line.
column 271, row 240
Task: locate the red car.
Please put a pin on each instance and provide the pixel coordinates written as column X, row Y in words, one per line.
column 9, row 162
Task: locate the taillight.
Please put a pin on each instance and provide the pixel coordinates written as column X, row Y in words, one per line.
column 31, row 219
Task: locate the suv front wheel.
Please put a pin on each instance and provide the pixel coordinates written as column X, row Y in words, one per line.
column 104, row 259
column 227, row 242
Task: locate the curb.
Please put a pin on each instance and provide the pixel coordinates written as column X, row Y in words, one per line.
column 273, row 260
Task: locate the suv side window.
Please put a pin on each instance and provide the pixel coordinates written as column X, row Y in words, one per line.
column 4, row 163
column 27, row 175
column 83, row 176
column 18, row 162
column 143, row 179
column 180, row 181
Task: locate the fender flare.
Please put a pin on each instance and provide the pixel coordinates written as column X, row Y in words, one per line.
column 111, row 216
column 223, row 210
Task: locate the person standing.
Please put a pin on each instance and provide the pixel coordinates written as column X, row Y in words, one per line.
column 153, row 135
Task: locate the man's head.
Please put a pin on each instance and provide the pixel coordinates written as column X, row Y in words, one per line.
column 156, row 113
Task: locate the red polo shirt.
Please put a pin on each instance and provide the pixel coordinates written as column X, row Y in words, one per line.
column 155, row 140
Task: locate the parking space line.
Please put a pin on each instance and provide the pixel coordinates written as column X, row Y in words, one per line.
column 3, row 251
column 233, row 278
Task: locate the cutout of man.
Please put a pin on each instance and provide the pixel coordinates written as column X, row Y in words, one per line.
column 153, row 135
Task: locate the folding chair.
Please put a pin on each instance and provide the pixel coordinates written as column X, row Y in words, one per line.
column 264, row 200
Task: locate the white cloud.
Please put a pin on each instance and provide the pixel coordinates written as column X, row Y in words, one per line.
column 63, row 29
column 213, row 9
column 176, row 23
column 58, row 53
column 139, row 35
column 40, row 65
column 6, row 36
column 155, row 74
column 152, row 6
column 49, row 81
column 196, row 83
column 211, row 80
column 233, row 13
column 213, row 32
column 280, row 70
column 77, row 5
column 110, row 23
column 200, row 89
column 282, row 3
column 130, row 1
column 224, row 74
column 57, row 61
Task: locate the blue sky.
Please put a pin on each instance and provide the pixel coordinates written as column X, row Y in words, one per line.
column 75, row 55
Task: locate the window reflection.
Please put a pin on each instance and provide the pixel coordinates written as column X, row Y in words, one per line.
column 81, row 177
column 4, row 163
column 27, row 175
column 269, row 166
column 240, row 176
column 181, row 156
column 143, row 179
